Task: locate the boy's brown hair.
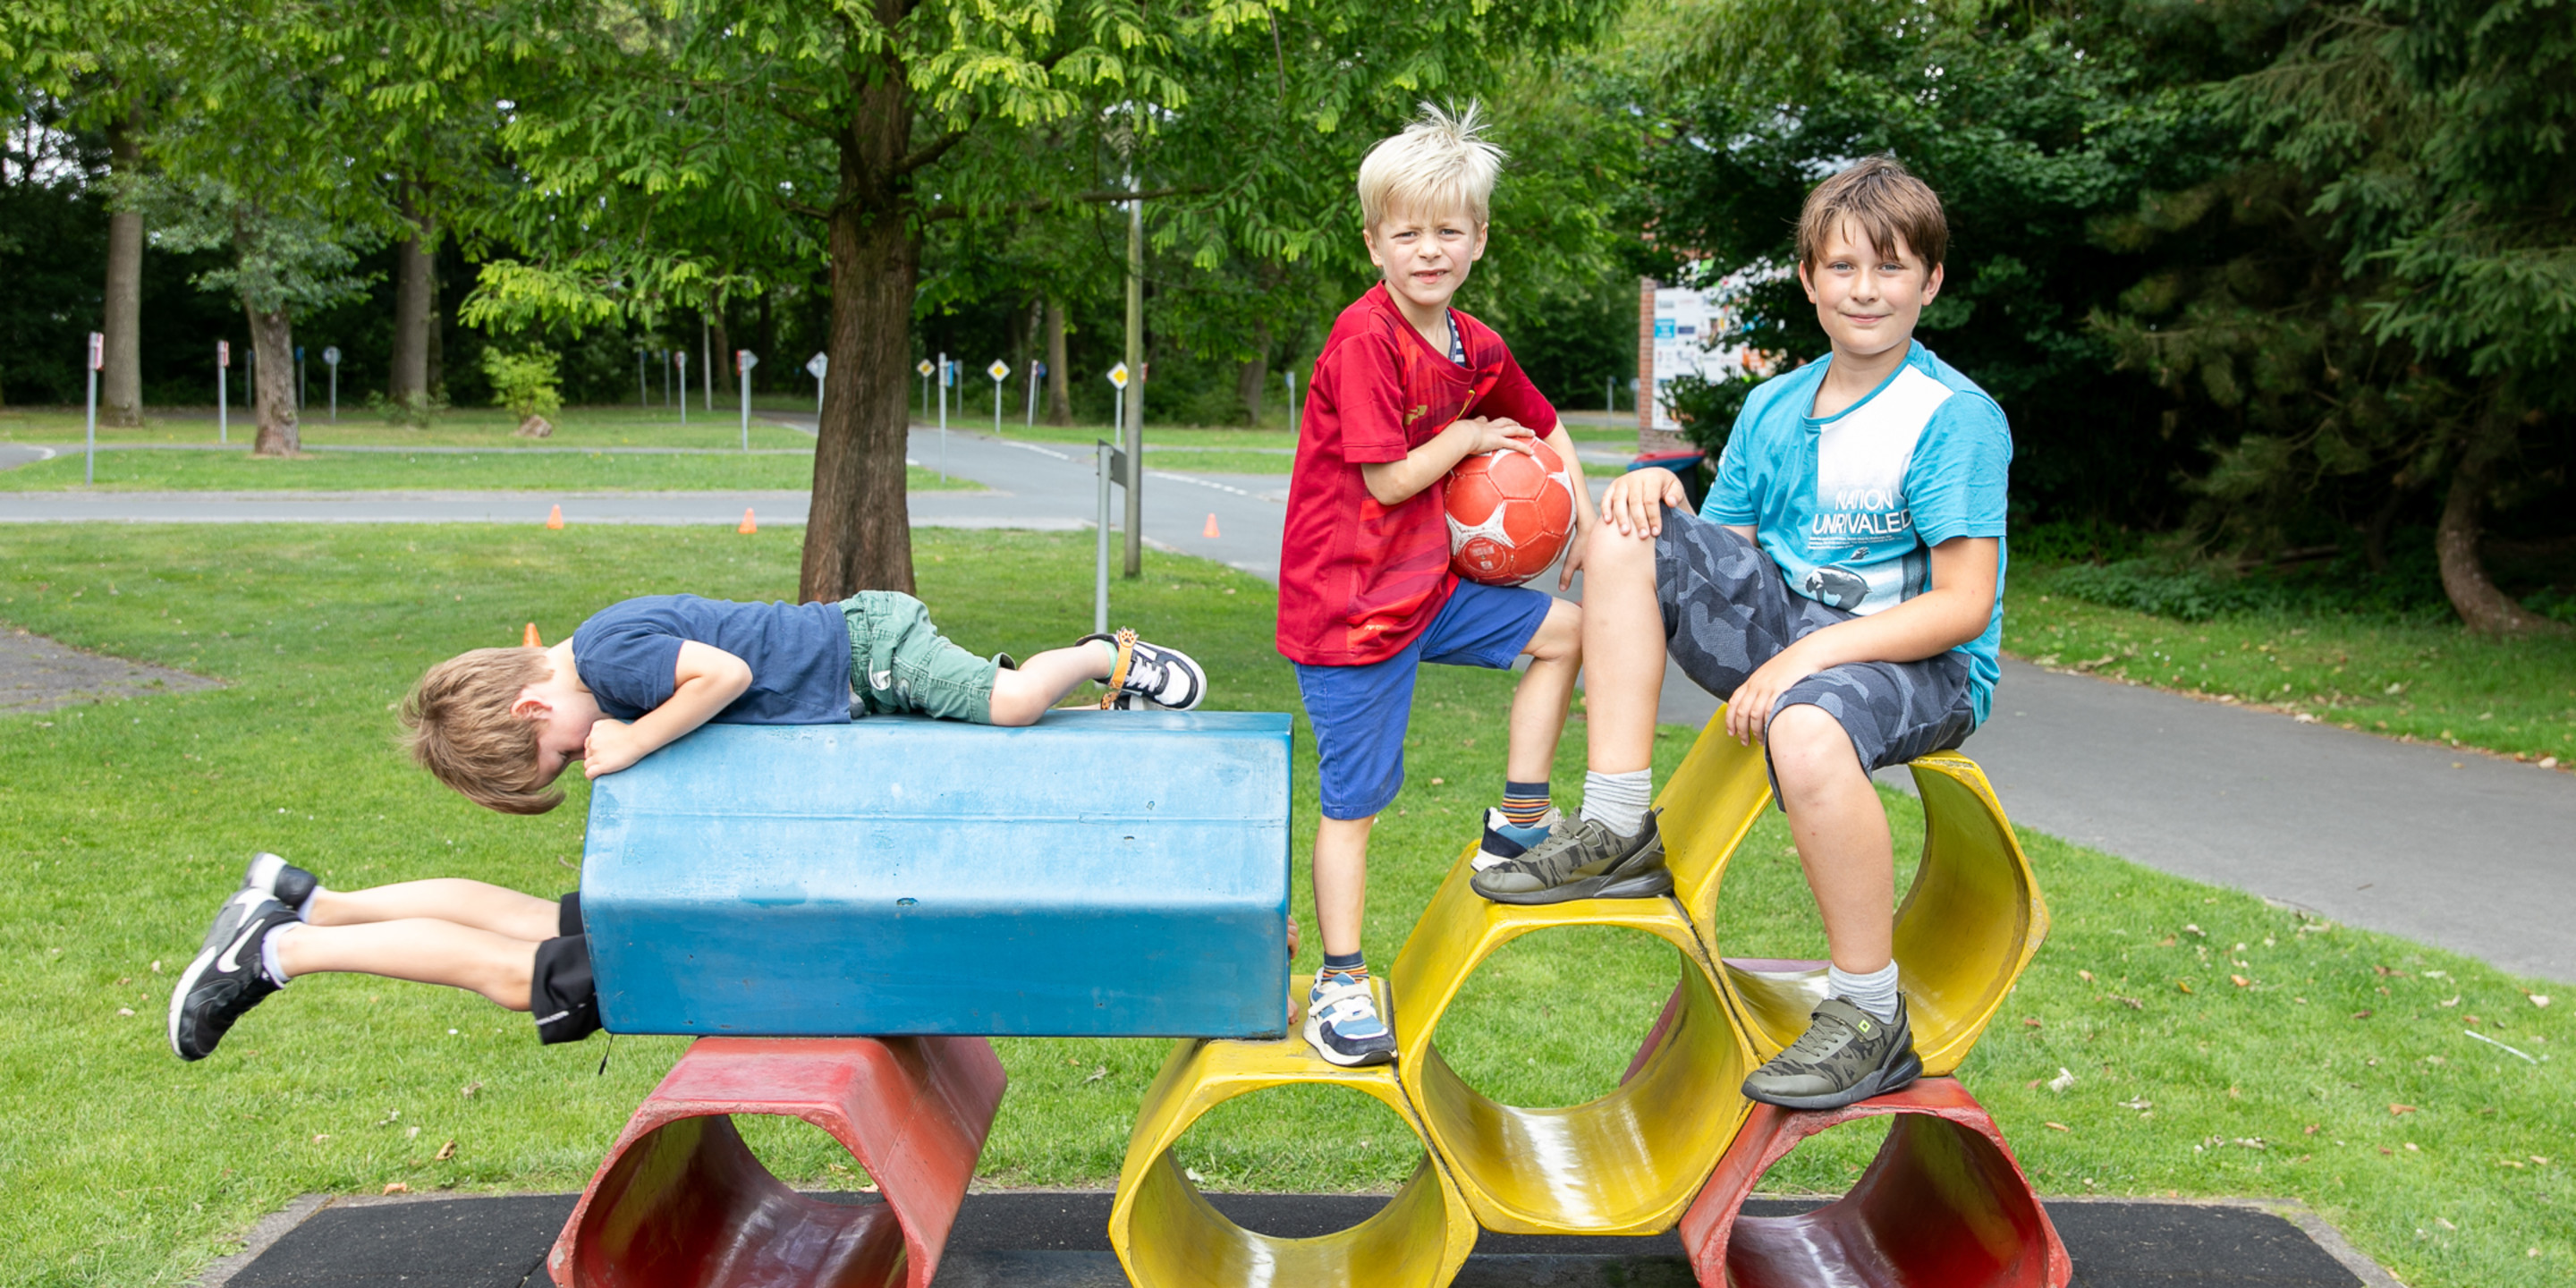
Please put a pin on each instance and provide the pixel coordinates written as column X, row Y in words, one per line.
column 458, row 725
column 1886, row 201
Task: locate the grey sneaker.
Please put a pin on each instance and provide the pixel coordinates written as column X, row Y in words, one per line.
column 1582, row 859
column 269, row 876
column 1846, row 1055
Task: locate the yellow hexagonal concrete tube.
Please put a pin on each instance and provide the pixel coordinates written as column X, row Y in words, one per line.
column 1628, row 1162
column 1167, row 1235
column 1968, row 927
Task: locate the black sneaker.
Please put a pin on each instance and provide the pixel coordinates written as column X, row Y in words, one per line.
column 273, row 878
column 225, row 980
column 1150, row 676
column 1846, row 1055
column 1582, row 859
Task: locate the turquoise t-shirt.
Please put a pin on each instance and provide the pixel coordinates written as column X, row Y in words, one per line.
column 1849, row 506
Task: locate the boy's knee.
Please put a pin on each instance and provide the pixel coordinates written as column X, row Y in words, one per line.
column 1809, row 746
column 1608, row 549
column 1560, row 634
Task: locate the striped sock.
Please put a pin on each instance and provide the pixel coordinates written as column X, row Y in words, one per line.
column 1349, row 965
column 1524, row 804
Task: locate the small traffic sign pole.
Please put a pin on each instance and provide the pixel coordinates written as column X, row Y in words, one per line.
column 923, row 367
column 681, row 356
column 1037, row 372
column 97, row 359
column 1291, row 377
column 815, row 366
column 744, row 360
column 947, row 377
column 223, row 397
column 1118, row 377
column 331, row 359
column 999, row 371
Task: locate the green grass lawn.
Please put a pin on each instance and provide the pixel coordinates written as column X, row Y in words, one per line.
column 483, row 427
column 500, row 469
column 2427, row 683
column 123, row 824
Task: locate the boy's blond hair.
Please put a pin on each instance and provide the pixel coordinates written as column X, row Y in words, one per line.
column 459, row 727
column 1440, row 163
column 1886, row 201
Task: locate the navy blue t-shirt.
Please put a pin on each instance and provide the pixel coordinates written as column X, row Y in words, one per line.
column 629, row 655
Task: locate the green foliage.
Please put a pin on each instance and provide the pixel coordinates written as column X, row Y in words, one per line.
column 523, row 381
column 1707, row 408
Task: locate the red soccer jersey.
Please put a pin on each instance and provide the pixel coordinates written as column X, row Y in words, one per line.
column 1357, row 580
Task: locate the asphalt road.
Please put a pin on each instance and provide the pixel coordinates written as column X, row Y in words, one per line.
column 2453, row 848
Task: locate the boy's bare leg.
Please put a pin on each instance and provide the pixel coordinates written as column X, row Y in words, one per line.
column 1021, row 696
column 418, row 949
column 1623, row 651
column 1546, row 688
column 474, row 904
column 1341, row 882
column 1841, row 831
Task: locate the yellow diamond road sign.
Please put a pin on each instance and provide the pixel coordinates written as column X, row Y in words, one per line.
column 924, row 368
column 1000, row 370
column 1118, row 375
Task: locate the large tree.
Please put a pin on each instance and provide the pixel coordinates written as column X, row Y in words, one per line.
column 661, row 139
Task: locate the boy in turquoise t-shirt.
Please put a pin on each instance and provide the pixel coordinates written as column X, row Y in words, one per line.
column 1841, row 589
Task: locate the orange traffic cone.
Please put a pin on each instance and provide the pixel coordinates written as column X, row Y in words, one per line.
column 529, row 639
column 1209, row 532
column 554, row 518
column 746, row 526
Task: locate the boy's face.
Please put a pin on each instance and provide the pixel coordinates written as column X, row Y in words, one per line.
column 1425, row 256
column 1867, row 297
column 563, row 712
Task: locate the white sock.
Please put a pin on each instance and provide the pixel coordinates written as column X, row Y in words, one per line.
column 268, row 952
column 1874, row 992
column 304, row 910
column 1618, row 801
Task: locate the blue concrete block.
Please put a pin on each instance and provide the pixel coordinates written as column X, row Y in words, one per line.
column 1098, row 874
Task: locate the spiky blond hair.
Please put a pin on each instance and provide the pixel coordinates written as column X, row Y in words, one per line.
column 1440, row 163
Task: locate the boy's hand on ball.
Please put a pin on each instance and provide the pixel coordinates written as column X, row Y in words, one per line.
column 1501, row 433
column 611, row 746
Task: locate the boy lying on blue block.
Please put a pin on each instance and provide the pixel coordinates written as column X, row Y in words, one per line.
column 499, row 724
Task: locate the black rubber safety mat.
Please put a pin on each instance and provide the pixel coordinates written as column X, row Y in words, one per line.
column 1060, row 1240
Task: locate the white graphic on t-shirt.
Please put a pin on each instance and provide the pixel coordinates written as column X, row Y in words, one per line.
column 1861, row 462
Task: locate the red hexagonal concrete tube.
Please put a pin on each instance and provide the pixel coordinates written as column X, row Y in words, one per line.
column 1944, row 1205
column 681, row 1200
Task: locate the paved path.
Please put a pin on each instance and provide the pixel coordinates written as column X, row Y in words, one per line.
column 2480, row 858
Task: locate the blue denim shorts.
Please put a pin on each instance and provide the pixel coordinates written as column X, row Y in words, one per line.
column 1360, row 712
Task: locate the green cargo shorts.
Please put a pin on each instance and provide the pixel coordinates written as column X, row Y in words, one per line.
column 899, row 662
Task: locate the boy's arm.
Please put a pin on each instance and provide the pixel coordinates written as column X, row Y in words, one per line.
column 1562, row 443
column 1393, row 483
column 1955, row 611
column 705, row 681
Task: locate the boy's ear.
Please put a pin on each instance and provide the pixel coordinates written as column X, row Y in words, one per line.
column 1807, row 281
column 531, row 707
column 1932, row 284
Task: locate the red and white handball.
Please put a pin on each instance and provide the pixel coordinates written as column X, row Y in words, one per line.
column 1509, row 515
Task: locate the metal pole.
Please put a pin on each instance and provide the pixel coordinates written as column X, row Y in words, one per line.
column 1033, row 396
column 707, row 361
column 746, row 403
column 1100, row 561
column 1291, row 378
column 943, row 378
column 1133, row 414
column 1610, row 393
column 335, row 391
column 89, row 462
column 223, row 400
column 997, row 407
column 682, row 357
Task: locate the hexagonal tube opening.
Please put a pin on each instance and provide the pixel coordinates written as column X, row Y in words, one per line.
column 1169, row 1235
column 1942, row 1203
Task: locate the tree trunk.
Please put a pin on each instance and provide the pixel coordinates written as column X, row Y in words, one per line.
column 414, row 258
column 2486, row 609
column 1059, row 397
column 435, row 335
column 858, row 530
column 1254, row 377
column 120, row 378
column 723, row 369
column 272, row 337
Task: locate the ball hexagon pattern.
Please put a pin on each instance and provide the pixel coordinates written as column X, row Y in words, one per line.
column 1509, row 515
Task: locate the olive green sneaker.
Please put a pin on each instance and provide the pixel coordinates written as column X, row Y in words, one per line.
column 1582, row 859
column 1846, row 1055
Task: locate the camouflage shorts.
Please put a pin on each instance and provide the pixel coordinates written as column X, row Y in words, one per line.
column 1727, row 610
